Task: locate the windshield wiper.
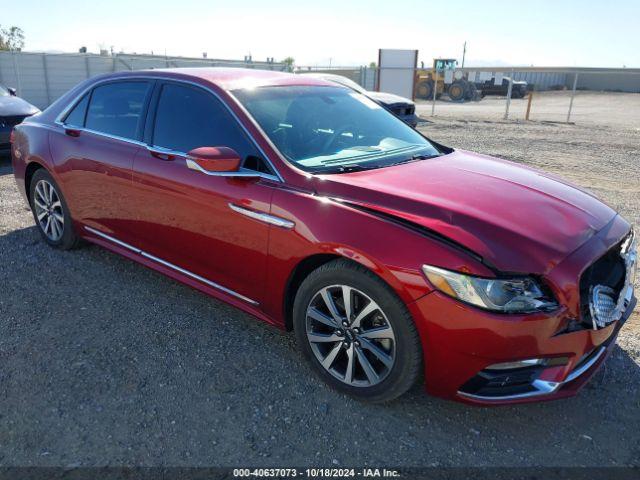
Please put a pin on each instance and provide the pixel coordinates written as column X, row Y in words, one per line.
column 357, row 167
column 350, row 168
column 414, row 158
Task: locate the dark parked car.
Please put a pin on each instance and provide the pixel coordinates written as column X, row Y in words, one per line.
column 401, row 107
column 13, row 110
column 311, row 207
column 518, row 90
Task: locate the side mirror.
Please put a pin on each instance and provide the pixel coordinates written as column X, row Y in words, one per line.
column 12, row 91
column 214, row 160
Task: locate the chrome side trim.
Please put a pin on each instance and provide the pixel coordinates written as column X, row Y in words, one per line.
column 115, row 78
column 114, row 240
column 542, row 387
column 262, row 217
column 170, row 265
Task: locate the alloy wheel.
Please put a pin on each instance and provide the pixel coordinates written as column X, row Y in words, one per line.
column 49, row 211
column 350, row 336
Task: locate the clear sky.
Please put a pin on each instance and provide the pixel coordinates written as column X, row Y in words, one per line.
column 590, row 33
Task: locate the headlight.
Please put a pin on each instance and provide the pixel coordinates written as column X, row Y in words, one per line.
column 510, row 295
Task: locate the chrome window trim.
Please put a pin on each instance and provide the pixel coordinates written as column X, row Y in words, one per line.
column 262, row 217
column 276, row 176
column 242, row 173
column 542, row 387
column 170, row 265
column 106, row 135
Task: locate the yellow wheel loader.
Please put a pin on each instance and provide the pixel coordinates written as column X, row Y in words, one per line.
column 449, row 81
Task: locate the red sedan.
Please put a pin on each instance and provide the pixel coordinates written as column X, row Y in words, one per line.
column 311, row 207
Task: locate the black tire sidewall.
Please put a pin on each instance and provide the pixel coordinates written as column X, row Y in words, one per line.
column 429, row 87
column 462, row 94
column 69, row 238
column 402, row 375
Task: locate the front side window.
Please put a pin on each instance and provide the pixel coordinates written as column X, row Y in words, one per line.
column 332, row 130
column 116, row 108
column 188, row 117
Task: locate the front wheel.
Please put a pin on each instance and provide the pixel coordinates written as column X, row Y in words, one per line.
column 356, row 333
column 424, row 90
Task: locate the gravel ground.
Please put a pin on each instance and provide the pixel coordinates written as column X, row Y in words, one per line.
column 104, row 362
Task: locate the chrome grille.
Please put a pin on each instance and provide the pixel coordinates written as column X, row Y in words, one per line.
column 608, row 303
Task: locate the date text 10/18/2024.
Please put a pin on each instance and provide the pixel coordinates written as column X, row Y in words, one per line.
column 316, row 473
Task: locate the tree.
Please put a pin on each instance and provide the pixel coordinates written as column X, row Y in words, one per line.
column 289, row 61
column 372, row 65
column 11, row 38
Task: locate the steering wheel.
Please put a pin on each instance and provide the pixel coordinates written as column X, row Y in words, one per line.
column 337, row 135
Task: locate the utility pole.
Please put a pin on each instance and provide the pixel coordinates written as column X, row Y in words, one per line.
column 464, row 52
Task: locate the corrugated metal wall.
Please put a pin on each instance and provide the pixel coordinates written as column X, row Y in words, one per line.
column 542, row 80
column 43, row 77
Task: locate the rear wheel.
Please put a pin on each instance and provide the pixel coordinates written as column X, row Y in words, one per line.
column 356, row 333
column 50, row 211
column 472, row 92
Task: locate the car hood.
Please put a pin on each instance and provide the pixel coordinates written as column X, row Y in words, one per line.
column 14, row 106
column 388, row 98
column 517, row 218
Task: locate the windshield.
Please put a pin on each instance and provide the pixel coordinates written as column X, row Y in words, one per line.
column 3, row 91
column 327, row 129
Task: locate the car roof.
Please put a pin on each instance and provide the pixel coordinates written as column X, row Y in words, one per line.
column 229, row 78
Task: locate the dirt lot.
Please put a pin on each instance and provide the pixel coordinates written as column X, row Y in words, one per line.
column 620, row 110
column 103, row 362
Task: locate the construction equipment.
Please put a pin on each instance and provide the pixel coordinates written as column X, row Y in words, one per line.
column 444, row 78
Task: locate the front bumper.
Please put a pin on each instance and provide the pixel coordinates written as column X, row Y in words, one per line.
column 454, row 356
column 462, row 344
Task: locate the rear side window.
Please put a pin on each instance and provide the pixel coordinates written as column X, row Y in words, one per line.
column 116, row 108
column 76, row 116
column 188, row 118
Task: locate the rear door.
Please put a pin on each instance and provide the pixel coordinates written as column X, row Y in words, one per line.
column 94, row 154
column 191, row 219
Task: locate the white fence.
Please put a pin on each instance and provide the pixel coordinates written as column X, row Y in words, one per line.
column 41, row 78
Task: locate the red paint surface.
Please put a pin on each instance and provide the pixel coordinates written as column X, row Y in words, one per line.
column 516, row 218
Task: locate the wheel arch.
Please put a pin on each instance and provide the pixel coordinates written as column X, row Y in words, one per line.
column 312, row 262
column 301, row 271
column 32, row 168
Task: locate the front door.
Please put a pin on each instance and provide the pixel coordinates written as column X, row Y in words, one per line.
column 188, row 218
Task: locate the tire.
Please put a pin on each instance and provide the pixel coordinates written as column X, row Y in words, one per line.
column 394, row 354
column 472, row 92
column 48, row 203
column 424, row 90
column 456, row 91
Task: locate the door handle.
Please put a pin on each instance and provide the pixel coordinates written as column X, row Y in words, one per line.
column 162, row 153
column 72, row 132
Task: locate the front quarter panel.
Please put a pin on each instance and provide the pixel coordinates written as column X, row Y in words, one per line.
column 326, row 226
